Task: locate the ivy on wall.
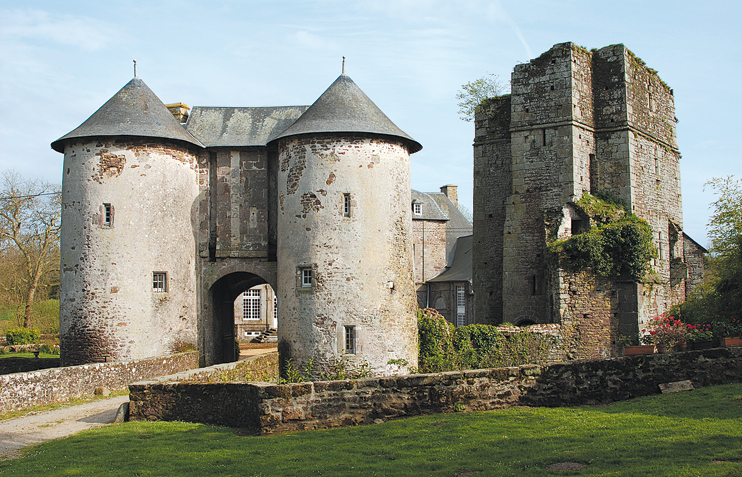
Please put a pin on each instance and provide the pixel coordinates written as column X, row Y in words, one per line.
column 617, row 243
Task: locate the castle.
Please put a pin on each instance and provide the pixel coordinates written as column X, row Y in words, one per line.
column 167, row 221
column 576, row 122
column 165, row 224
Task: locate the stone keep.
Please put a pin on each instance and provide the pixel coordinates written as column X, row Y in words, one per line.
column 576, row 121
column 164, row 224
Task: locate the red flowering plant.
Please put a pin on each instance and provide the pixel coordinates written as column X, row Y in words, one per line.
column 699, row 332
column 664, row 330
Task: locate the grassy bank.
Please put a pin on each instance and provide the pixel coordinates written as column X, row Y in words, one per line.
column 683, row 434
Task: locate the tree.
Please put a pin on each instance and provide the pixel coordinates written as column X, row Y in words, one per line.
column 474, row 92
column 725, row 225
column 30, row 212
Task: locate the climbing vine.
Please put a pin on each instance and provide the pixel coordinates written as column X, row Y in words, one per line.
column 618, row 243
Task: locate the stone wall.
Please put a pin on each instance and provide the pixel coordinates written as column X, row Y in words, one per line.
column 22, row 365
column 269, row 408
column 25, row 390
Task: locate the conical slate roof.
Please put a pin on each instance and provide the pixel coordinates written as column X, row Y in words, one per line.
column 344, row 108
column 134, row 111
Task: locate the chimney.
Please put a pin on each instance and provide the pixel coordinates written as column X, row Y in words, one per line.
column 180, row 111
column 450, row 192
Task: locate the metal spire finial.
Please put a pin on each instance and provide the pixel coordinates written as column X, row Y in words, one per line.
column 135, row 69
column 343, row 66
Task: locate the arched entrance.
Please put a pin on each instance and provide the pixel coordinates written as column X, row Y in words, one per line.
column 223, row 294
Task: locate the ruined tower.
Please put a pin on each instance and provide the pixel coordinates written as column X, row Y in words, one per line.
column 345, row 273
column 576, row 122
column 128, row 284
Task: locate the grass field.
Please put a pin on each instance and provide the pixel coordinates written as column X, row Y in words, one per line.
column 28, row 355
column 684, row 434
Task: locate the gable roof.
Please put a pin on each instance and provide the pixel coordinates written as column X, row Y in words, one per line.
column 344, row 108
column 460, row 269
column 429, row 207
column 232, row 127
column 134, row 111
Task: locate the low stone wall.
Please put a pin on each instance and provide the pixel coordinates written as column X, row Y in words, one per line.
column 24, row 365
column 25, row 390
column 269, row 408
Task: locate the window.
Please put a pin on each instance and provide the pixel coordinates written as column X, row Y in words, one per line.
column 159, row 282
column 306, row 277
column 275, row 309
column 346, row 205
column 417, row 208
column 251, row 305
column 460, row 306
column 106, row 219
column 350, row 339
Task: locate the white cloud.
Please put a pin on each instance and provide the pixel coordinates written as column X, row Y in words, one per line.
column 38, row 26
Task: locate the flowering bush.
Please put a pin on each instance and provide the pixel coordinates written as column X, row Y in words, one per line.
column 699, row 333
column 665, row 330
column 728, row 329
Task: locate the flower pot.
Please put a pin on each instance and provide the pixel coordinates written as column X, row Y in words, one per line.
column 638, row 349
column 703, row 344
column 727, row 342
column 680, row 346
column 661, row 348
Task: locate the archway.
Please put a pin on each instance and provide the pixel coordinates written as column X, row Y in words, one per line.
column 223, row 294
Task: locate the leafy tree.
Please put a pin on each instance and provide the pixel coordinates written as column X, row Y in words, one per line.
column 725, row 225
column 30, row 212
column 474, row 92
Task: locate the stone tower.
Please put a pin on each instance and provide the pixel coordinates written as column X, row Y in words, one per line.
column 577, row 121
column 345, row 273
column 128, row 284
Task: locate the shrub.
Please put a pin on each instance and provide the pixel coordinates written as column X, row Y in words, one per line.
column 444, row 347
column 22, row 336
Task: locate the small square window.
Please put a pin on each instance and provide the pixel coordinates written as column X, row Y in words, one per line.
column 306, row 277
column 350, row 339
column 159, row 282
column 417, row 208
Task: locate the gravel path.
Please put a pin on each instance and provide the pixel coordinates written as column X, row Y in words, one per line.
column 15, row 434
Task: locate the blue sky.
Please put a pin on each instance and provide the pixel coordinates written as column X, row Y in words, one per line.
column 60, row 61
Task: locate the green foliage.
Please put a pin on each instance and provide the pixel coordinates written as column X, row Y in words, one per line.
column 677, row 434
column 473, row 93
column 444, row 347
column 22, row 336
column 620, row 243
column 337, row 370
column 719, row 298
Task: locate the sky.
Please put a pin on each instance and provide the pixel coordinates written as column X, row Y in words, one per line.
column 61, row 61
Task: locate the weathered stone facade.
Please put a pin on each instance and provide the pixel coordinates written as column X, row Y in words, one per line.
column 576, row 122
column 165, row 224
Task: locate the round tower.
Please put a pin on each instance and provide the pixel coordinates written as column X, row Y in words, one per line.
column 128, row 285
column 345, row 271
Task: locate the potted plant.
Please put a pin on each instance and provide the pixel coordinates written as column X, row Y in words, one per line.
column 730, row 332
column 665, row 332
column 631, row 346
column 700, row 336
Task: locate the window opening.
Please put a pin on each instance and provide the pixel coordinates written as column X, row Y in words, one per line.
column 159, row 282
column 350, row 339
column 306, row 277
column 107, row 215
column 460, row 306
column 417, row 208
column 251, row 305
column 543, row 137
column 346, row 205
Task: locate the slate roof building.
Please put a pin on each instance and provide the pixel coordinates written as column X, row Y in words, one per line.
column 166, row 222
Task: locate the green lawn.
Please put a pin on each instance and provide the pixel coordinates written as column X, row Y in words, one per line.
column 683, row 434
column 28, row 355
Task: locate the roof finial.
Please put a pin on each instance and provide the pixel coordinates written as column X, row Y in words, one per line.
column 343, row 66
column 135, row 69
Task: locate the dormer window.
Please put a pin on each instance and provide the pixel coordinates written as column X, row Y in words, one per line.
column 417, row 208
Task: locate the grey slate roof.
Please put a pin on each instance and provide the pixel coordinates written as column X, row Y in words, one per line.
column 429, row 207
column 134, row 111
column 215, row 126
column 460, row 269
column 344, row 108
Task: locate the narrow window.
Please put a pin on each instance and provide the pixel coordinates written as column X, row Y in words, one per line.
column 543, row 137
column 346, row 205
column 460, row 306
column 660, row 247
column 107, row 215
column 306, row 277
column 159, row 282
column 251, row 305
column 350, row 339
column 275, row 309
